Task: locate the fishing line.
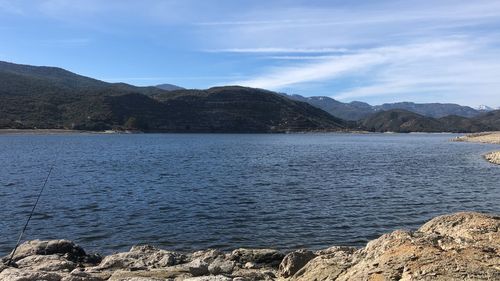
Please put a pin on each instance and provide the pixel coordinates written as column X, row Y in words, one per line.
column 31, row 214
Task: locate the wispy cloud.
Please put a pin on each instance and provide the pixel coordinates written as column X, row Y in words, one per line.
column 335, row 66
column 279, row 50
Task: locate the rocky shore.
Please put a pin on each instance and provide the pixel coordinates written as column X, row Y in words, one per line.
column 489, row 137
column 461, row 246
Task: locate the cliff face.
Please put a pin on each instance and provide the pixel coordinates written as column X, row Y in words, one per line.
column 462, row 246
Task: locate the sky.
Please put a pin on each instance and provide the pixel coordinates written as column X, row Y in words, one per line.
column 373, row 51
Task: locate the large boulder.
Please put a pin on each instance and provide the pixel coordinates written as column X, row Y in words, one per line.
column 46, row 263
column 265, row 257
column 326, row 266
column 141, row 258
column 65, row 248
column 462, row 246
column 295, row 261
column 14, row 274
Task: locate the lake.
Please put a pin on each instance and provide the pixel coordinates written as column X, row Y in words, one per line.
column 194, row 191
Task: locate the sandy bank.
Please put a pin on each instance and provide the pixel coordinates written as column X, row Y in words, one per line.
column 488, row 137
column 461, row 246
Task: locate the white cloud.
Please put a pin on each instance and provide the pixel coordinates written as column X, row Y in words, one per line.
column 280, row 50
column 336, row 66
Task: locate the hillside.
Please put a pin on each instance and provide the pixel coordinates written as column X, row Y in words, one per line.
column 169, row 87
column 241, row 109
column 359, row 110
column 48, row 97
column 403, row 121
column 348, row 111
column 435, row 110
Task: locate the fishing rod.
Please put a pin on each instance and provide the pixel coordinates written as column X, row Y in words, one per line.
column 31, row 214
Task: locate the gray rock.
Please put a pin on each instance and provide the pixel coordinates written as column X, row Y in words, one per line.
column 294, row 261
column 267, row 257
column 46, row 263
column 196, row 267
column 67, row 248
column 221, row 266
column 141, row 257
column 209, row 278
column 14, row 274
column 207, row 256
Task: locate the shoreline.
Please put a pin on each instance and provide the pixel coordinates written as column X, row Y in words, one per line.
column 119, row 132
column 450, row 247
column 485, row 138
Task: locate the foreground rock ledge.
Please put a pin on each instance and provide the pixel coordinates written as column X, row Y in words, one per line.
column 461, row 246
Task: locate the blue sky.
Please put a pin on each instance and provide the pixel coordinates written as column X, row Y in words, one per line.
column 373, row 51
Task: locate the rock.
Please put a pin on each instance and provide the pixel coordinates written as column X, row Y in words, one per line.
column 493, row 157
column 169, row 273
column 139, row 258
column 221, row 266
column 196, row 267
column 13, row 274
column 327, row 266
column 267, row 257
column 46, row 263
column 210, row 278
column 295, row 261
column 453, row 247
column 81, row 276
column 254, row 274
column 67, row 248
column 207, row 256
column 250, row 265
column 461, row 246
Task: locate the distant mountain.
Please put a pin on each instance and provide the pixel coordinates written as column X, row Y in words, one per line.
column 401, row 121
column 359, row 110
column 48, row 97
column 54, row 98
column 404, row 121
column 436, row 110
column 491, row 120
column 485, row 108
column 349, row 111
column 169, row 87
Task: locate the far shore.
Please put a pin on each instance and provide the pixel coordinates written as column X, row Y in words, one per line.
column 54, row 132
column 76, row 132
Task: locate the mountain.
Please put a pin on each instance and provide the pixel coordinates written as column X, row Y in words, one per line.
column 169, row 87
column 241, row 109
column 359, row 110
column 491, row 120
column 404, row 121
column 48, row 97
column 435, row 110
column 349, row 111
column 19, row 79
column 401, row 121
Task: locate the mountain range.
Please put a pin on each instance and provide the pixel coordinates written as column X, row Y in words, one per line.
column 51, row 97
column 359, row 110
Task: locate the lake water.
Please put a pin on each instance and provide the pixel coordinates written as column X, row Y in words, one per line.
column 190, row 191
